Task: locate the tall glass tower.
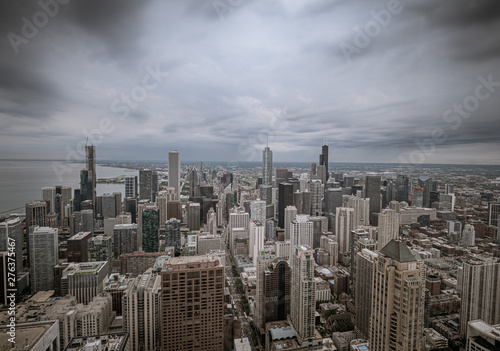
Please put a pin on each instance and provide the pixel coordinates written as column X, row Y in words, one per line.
column 266, row 189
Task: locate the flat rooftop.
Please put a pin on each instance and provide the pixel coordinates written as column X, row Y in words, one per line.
column 32, row 332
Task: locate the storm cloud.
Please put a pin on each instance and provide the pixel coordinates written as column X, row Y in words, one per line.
column 219, row 79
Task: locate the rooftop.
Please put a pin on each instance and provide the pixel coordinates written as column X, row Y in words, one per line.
column 26, row 333
column 398, row 251
column 109, row 342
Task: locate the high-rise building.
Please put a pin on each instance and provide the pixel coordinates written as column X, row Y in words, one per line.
column 131, row 186
column 193, row 221
column 397, row 313
column 285, row 198
column 146, row 188
column 454, row 231
column 303, row 292
column 36, row 214
column 426, row 184
column 479, row 281
column 402, row 186
column 150, row 226
column 11, row 231
column 282, row 175
column 344, row 223
column 141, row 311
column 290, row 215
column 361, row 209
column 388, row 227
column 174, row 210
column 301, row 232
column 4, row 277
column 192, row 303
column 316, row 189
column 49, row 196
column 90, row 162
column 258, row 211
column 125, row 239
column 482, row 336
column 330, row 244
column 267, row 181
column 320, row 226
column 273, row 289
column 257, row 233
column 372, row 192
column 78, row 247
column 173, row 235
column 101, row 249
column 174, row 173
column 365, row 260
column 323, row 160
column 494, row 214
column 44, row 255
column 468, row 236
column 194, row 185
column 84, row 280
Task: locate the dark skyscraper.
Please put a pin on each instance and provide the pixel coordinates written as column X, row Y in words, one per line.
column 285, row 198
column 323, row 159
column 372, row 191
column 90, row 167
column 402, row 183
column 426, row 184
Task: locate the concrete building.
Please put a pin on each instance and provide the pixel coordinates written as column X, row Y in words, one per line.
column 372, row 192
column 361, row 214
column 208, row 242
column 11, row 231
column 301, row 232
column 290, row 216
column 101, row 249
column 125, row 239
column 131, row 186
column 84, row 280
column 479, row 281
column 344, row 223
column 174, row 173
column 34, row 336
column 117, row 341
column 194, row 221
column 78, row 247
column 397, row 313
column 173, row 235
column 138, row 262
column 141, row 311
column 330, row 244
column 150, row 227
column 192, row 306
column 257, row 237
column 363, row 290
column 388, row 227
column 44, row 255
column 303, row 292
column 482, row 336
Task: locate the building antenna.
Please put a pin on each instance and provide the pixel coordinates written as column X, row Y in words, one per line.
column 267, row 140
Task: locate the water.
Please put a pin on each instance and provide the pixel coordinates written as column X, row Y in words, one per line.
column 21, row 181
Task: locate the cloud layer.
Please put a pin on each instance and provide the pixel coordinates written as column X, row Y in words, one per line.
column 244, row 72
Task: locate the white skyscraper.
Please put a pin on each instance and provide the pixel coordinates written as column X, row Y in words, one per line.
column 301, row 232
column 361, row 210
column 290, row 215
column 468, row 236
column 174, row 172
column 344, row 223
column 258, row 211
column 257, row 233
column 49, row 195
column 303, row 291
column 388, row 227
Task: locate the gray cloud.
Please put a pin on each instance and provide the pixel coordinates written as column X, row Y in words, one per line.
column 263, row 70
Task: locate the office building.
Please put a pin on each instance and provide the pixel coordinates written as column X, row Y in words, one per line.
column 402, row 186
column 303, row 292
column 32, row 336
column 192, row 304
column 323, row 161
column 388, row 227
column 290, row 216
column 131, row 186
column 130, row 206
column 330, row 244
column 468, row 236
column 267, row 182
column 11, row 231
column 397, row 313
column 78, row 247
column 454, row 231
column 258, row 211
column 138, row 262
column 90, row 163
column 44, row 255
column 125, row 239
column 84, row 280
column 141, row 311
column 161, row 203
column 482, row 336
column 174, row 173
column 301, row 232
column 49, row 196
column 257, row 237
column 174, row 210
column 150, row 226
column 148, row 185
column 194, row 222
column 316, row 189
column 344, row 223
column 36, row 214
column 426, row 184
column 372, row 192
column 494, row 213
column 479, row 283
column 285, row 199
column 173, row 235
column 320, row 226
column 361, row 214
column 101, row 249
column 365, row 260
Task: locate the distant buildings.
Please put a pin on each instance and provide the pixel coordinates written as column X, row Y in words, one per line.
column 174, row 173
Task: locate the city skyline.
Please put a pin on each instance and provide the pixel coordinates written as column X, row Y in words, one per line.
column 377, row 82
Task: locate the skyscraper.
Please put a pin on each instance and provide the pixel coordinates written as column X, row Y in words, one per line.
column 363, row 290
column 397, row 313
column 316, row 188
column 301, row 232
column 479, row 281
column 372, row 191
column 44, row 253
column 174, row 173
column 494, row 213
column 344, row 223
column 303, row 292
column 49, row 196
column 131, row 186
column 323, row 160
column 361, row 210
column 12, row 229
column 402, row 186
column 173, row 235
column 290, row 215
column 125, row 239
column 192, row 304
column 388, row 227
column 468, row 236
column 141, row 311
column 426, row 184
column 148, row 186
column 285, row 198
column 150, row 239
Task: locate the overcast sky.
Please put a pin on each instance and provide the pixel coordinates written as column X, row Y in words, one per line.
column 231, row 74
